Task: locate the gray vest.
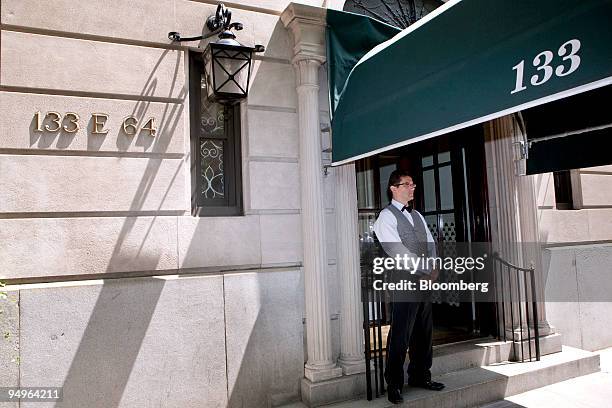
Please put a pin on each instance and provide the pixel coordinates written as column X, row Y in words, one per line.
column 413, row 237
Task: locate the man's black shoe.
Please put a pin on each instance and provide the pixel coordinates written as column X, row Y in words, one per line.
column 394, row 396
column 427, row 384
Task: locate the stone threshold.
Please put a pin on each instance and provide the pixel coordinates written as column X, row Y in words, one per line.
column 480, row 385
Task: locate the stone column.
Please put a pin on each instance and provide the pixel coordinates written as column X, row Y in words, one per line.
column 503, row 205
column 513, row 208
column 307, row 24
column 502, row 179
column 351, row 358
column 530, row 236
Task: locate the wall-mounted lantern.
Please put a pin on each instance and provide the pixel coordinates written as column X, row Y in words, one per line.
column 227, row 63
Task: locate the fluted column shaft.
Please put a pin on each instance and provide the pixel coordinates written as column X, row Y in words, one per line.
column 351, row 313
column 504, row 189
column 530, row 236
column 515, row 227
column 320, row 364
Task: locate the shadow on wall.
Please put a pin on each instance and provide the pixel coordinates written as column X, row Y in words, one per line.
column 111, row 343
column 579, row 294
column 271, row 84
column 46, row 139
column 264, row 335
column 118, row 323
column 263, row 310
column 266, row 365
column 205, row 249
column 113, row 126
column 265, row 368
column 169, row 119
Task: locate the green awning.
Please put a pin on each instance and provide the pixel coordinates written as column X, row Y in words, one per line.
column 468, row 62
column 571, row 133
column 349, row 37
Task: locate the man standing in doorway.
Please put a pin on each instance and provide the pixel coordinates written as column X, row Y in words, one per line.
column 402, row 230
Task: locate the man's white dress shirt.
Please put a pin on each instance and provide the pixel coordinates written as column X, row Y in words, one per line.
column 385, row 226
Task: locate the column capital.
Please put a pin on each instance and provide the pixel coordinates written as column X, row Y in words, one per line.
column 307, row 26
column 307, row 73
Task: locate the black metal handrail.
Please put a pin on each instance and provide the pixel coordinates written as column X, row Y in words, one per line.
column 374, row 317
column 500, row 279
column 506, row 282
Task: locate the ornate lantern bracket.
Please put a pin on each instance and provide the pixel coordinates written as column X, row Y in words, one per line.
column 227, row 63
column 216, row 24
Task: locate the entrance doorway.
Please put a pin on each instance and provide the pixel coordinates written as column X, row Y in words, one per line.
column 451, row 194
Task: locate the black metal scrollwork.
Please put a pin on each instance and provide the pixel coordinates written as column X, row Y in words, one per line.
column 399, row 13
column 217, row 23
column 221, row 21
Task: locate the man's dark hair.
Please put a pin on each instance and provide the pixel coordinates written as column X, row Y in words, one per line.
column 394, row 179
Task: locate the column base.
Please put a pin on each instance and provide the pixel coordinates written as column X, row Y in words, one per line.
column 316, row 374
column 350, row 367
column 548, row 345
column 344, row 388
column 544, row 329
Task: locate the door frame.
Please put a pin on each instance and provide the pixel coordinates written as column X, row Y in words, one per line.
column 471, row 212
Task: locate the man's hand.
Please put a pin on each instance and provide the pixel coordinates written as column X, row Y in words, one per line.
column 434, row 275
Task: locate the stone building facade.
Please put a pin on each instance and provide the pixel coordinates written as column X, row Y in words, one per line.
column 576, row 249
column 200, row 311
column 122, row 296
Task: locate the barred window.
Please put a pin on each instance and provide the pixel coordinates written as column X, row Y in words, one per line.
column 216, row 166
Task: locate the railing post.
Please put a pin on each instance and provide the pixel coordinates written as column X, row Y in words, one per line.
column 535, row 314
column 365, row 301
column 499, row 262
column 528, row 320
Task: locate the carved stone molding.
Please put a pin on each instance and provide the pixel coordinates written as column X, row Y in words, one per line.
column 307, row 26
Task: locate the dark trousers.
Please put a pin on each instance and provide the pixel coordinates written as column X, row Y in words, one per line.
column 411, row 327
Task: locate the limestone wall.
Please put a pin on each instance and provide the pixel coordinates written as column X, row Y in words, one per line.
column 579, row 288
column 591, row 222
column 148, row 305
column 189, row 341
column 577, row 258
column 96, row 191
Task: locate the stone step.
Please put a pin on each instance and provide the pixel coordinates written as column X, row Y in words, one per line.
column 468, row 354
column 479, row 385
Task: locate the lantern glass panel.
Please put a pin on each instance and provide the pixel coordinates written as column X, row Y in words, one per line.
column 230, row 70
column 207, row 83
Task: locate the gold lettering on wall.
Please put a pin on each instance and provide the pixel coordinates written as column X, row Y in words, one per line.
column 57, row 120
column 150, row 126
column 99, row 120
column 130, row 125
column 39, row 122
column 69, row 123
column 73, row 119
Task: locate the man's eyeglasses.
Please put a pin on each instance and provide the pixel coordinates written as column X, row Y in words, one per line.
column 410, row 185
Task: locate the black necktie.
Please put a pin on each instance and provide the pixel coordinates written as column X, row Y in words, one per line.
column 407, row 208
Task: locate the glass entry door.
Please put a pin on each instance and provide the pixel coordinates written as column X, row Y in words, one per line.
column 451, row 194
column 444, row 202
